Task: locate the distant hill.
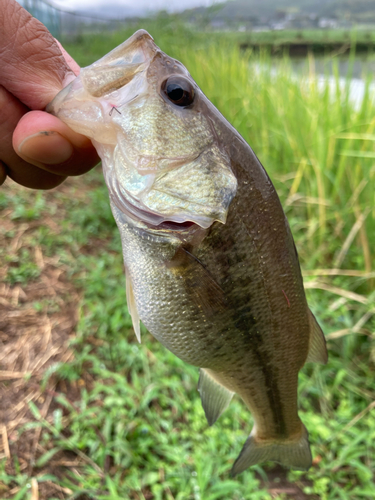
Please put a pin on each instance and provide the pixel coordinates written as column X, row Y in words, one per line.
column 359, row 10
column 354, row 10
column 268, row 8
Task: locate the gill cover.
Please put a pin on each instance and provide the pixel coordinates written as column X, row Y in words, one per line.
column 155, row 133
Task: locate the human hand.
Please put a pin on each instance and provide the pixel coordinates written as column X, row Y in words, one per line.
column 37, row 150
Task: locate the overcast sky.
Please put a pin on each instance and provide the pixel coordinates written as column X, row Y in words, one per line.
column 132, row 6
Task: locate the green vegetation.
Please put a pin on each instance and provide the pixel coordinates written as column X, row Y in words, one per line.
column 138, row 427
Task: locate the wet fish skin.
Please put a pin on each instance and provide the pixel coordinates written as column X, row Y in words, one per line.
column 225, row 293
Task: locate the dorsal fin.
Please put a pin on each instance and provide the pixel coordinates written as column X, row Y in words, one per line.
column 317, row 347
column 215, row 397
column 132, row 306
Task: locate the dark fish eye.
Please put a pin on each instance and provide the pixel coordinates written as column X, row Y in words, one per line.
column 178, row 90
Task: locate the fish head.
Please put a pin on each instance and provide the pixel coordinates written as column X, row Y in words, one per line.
column 155, row 132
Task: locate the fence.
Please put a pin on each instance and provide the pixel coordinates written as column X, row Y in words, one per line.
column 46, row 13
column 61, row 22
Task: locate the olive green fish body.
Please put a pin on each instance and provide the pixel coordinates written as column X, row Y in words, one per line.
column 233, row 303
column 212, row 270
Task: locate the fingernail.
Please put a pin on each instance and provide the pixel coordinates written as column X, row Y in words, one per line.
column 48, row 148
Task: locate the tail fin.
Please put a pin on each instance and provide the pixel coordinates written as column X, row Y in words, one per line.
column 295, row 454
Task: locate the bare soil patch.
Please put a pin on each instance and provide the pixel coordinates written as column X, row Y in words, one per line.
column 37, row 320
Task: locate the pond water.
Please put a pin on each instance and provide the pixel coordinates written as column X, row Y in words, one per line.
column 360, row 71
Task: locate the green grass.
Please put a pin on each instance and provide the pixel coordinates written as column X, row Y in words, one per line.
column 140, row 429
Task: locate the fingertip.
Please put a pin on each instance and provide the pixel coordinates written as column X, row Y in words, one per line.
column 35, row 122
column 45, row 148
column 45, row 141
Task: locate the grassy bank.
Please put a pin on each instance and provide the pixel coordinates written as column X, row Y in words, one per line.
column 125, row 421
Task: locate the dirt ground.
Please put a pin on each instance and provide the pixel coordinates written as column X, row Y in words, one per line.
column 32, row 340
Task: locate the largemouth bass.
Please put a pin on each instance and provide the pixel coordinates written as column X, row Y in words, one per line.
column 211, row 267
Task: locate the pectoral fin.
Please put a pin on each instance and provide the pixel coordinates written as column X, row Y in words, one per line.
column 132, row 306
column 200, row 285
column 215, row 397
column 317, row 348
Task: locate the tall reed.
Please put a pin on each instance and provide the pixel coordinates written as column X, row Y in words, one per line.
column 314, row 141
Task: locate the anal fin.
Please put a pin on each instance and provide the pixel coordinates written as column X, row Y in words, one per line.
column 215, row 397
column 132, row 306
column 317, row 348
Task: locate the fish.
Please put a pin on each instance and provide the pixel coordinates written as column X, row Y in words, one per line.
column 211, row 266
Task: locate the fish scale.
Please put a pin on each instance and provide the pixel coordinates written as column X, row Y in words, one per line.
column 211, row 267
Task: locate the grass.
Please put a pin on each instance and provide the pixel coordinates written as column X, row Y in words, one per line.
column 134, row 428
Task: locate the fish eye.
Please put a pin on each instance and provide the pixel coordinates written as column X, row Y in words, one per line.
column 178, row 90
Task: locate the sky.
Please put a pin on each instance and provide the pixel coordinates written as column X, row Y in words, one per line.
column 132, row 7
